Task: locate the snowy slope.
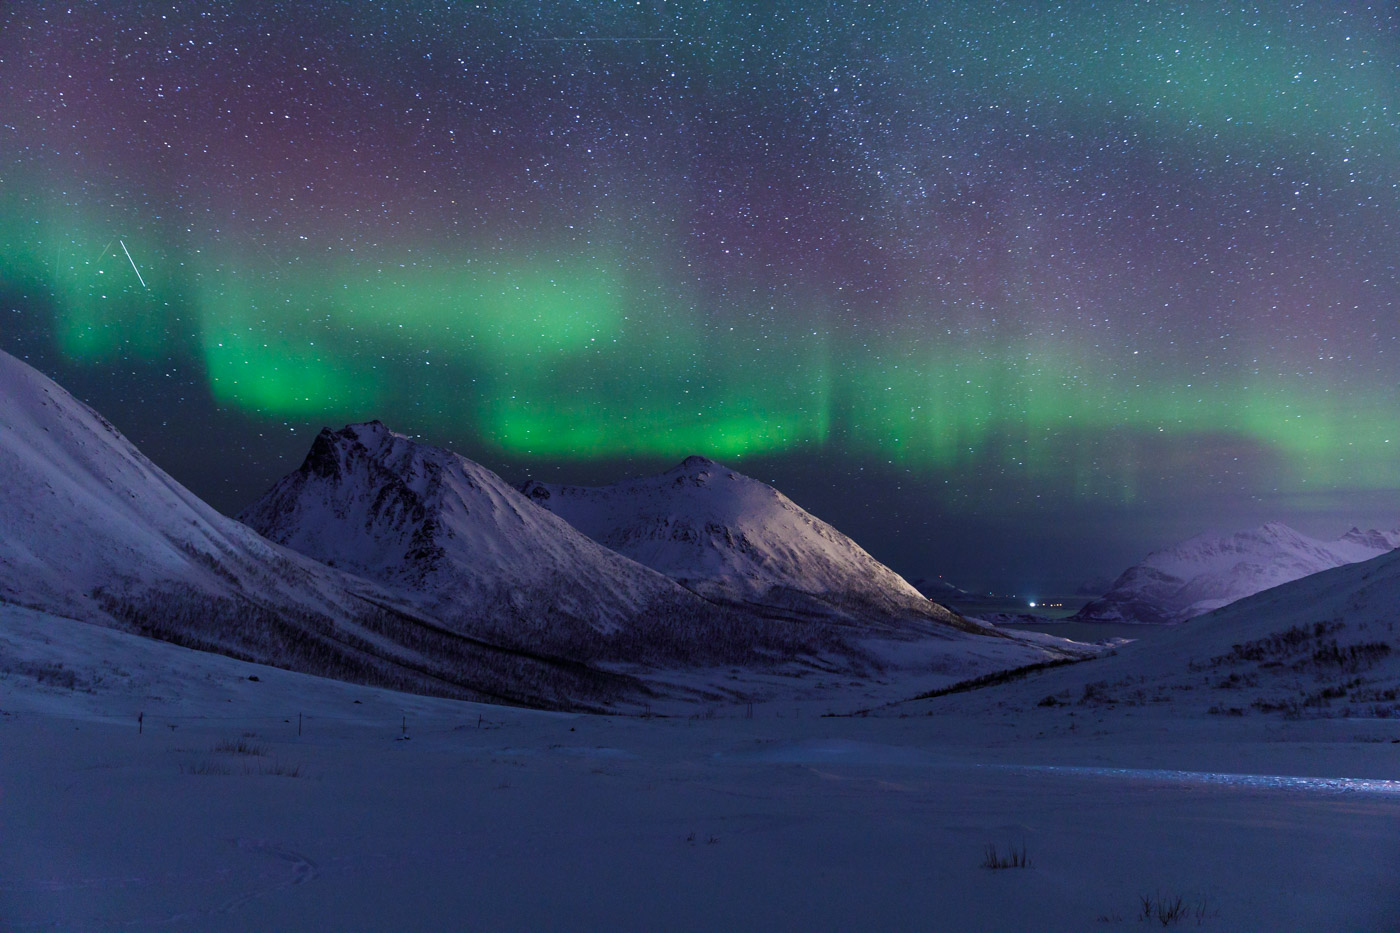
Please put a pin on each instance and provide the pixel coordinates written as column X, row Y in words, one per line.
column 489, row 561
column 1208, row 571
column 1328, row 641
column 95, row 531
column 415, row 515
column 733, row 538
column 1322, row 647
column 296, row 803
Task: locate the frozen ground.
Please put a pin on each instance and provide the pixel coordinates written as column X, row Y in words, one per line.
column 490, row 818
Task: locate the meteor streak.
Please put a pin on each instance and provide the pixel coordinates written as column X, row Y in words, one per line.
column 133, row 263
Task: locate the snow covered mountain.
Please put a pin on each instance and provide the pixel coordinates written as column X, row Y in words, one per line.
column 489, row 561
column 1207, row 572
column 939, row 589
column 1326, row 645
column 94, row 531
column 732, row 538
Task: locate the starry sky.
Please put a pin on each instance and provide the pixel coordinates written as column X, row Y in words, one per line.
column 1012, row 293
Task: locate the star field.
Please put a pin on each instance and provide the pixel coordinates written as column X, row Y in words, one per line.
column 1009, row 292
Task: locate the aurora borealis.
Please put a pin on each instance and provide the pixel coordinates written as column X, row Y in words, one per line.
column 1009, row 292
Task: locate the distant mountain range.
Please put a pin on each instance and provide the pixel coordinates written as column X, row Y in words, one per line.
column 1211, row 571
column 387, row 561
column 939, row 589
column 1323, row 646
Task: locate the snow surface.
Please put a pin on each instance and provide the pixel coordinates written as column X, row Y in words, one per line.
column 1210, row 571
column 413, row 515
column 478, row 593
column 83, row 510
column 507, row 819
column 727, row 536
column 94, row 530
column 493, row 563
column 1244, row 761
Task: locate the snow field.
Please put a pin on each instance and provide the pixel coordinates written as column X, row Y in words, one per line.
column 508, row 819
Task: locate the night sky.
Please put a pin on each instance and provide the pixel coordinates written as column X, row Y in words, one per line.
column 1010, row 292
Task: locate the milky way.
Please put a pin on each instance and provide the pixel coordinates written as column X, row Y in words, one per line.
column 1011, row 292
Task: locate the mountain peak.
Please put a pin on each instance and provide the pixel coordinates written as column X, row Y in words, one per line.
column 483, row 557
column 1372, row 538
column 693, row 470
column 696, row 462
column 367, row 431
column 1210, row 571
column 733, row 538
column 1278, row 529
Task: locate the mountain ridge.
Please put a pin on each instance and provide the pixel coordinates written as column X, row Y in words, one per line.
column 728, row 536
column 488, row 561
column 1209, row 571
column 97, row 532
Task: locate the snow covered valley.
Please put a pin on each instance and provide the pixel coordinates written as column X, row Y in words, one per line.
column 781, row 734
column 249, row 797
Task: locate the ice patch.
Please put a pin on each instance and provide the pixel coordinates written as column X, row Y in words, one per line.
column 1326, row 785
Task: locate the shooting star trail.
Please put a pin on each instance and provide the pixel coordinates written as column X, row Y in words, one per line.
column 133, row 263
column 107, row 247
column 604, row 39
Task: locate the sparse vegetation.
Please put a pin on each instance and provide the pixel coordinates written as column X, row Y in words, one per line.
column 1351, row 658
column 1280, row 645
column 1289, row 706
column 1175, row 909
column 240, row 747
column 1014, row 858
column 1236, row 680
column 1103, row 693
column 51, row 674
column 995, row 678
column 1287, row 660
column 263, row 769
column 1095, row 693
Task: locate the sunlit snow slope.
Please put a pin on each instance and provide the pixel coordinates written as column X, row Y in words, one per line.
column 733, row 538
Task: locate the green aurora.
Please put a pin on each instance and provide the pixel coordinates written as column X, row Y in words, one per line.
column 570, row 360
column 1107, row 274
